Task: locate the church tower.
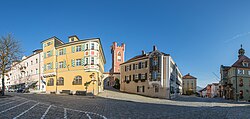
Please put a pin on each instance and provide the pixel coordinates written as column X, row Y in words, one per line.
column 117, row 57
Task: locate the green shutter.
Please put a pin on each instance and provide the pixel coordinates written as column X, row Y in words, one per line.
column 83, row 47
column 51, row 64
column 64, row 64
column 64, row 51
column 51, row 53
column 73, row 49
column 56, row 52
column 44, row 67
column 44, row 55
column 83, row 61
column 73, row 62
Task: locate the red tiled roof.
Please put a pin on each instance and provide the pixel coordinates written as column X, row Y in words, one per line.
column 241, row 59
column 188, row 76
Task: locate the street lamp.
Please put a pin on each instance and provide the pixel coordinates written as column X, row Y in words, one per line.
column 92, row 76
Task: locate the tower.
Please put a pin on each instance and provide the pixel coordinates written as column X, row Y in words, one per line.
column 117, row 57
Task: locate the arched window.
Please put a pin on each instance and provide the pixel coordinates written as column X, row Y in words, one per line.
column 60, row 81
column 119, row 56
column 77, row 80
column 50, row 82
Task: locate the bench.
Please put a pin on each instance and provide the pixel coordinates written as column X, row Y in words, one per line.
column 81, row 93
column 65, row 92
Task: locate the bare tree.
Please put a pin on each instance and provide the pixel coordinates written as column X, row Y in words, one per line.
column 10, row 50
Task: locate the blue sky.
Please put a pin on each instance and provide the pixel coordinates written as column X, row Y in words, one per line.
column 200, row 35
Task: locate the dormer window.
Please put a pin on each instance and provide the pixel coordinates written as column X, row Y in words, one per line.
column 72, row 39
column 245, row 64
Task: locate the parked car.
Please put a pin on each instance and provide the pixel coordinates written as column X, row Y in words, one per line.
column 20, row 90
column 12, row 90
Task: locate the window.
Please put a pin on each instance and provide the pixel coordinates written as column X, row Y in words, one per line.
column 31, row 72
column 49, row 66
column 133, row 66
column 136, row 76
column 142, row 76
column 49, row 53
column 31, row 62
column 27, row 64
column 146, row 64
column 130, row 67
column 50, row 82
column 49, row 43
column 139, row 65
column 60, row 64
column 119, row 56
column 154, row 76
column 240, row 71
column 36, row 71
column 72, row 39
column 61, row 52
column 92, row 61
column 140, row 88
column 92, row 46
column 78, row 48
column 136, row 66
column 77, row 80
column 36, row 60
column 87, row 46
column 87, row 60
column 245, row 64
column 78, row 62
column 142, row 65
column 60, row 81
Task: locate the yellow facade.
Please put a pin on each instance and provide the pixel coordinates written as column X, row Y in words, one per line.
column 68, row 66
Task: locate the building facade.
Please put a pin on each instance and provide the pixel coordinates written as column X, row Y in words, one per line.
column 74, row 66
column 214, row 90
column 27, row 73
column 189, row 84
column 153, row 74
column 235, row 79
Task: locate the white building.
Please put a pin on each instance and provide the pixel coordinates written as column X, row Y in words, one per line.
column 27, row 73
column 214, row 89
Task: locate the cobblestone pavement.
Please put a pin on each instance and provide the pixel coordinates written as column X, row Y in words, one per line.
column 116, row 105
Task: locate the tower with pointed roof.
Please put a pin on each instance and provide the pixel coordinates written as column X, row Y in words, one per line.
column 235, row 79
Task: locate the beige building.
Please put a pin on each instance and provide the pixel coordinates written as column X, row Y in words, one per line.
column 189, row 84
column 153, row 74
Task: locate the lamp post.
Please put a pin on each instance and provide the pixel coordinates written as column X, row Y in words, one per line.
column 92, row 76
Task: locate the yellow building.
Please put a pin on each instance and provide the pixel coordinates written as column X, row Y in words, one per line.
column 68, row 66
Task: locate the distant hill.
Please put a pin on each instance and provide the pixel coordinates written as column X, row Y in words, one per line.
column 198, row 88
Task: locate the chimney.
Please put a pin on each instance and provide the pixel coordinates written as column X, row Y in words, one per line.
column 154, row 48
column 143, row 52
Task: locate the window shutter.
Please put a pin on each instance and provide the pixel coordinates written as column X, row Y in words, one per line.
column 96, row 46
column 44, row 55
column 96, row 60
column 56, row 65
column 83, row 47
column 73, row 62
column 83, row 61
column 64, row 64
column 51, row 64
column 73, row 49
column 64, row 51
column 56, row 52
column 44, row 67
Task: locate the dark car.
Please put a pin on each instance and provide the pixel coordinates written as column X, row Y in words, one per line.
column 20, row 90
